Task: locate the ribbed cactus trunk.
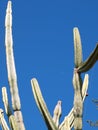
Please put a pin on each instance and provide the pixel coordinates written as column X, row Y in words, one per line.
column 78, row 103
column 12, row 77
column 77, row 82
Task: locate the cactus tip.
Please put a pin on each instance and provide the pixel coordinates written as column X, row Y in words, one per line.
column 9, row 5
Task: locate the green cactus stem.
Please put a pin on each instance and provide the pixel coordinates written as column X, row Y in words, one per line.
column 42, row 105
column 88, row 64
column 77, row 47
column 12, row 77
column 79, row 64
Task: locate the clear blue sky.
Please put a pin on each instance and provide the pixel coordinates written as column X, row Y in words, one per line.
column 43, row 48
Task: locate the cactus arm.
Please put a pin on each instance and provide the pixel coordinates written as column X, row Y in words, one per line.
column 5, row 101
column 70, row 116
column 4, row 125
column 3, row 122
column 85, row 86
column 85, row 66
column 8, row 111
column 42, row 106
column 12, row 77
column 77, row 47
column 57, row 113
column 65, row 124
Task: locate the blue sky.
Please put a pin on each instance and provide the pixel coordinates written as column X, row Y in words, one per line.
column 43, row 48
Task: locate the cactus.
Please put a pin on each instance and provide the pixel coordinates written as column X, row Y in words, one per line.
column 3, row 121
column 16, row 120
column 42, row 106
column 74, row 117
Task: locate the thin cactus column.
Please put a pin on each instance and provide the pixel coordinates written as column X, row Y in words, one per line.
column 77, row 82
column 80, row 67
column 11, row 117
column 42, row 105
column 57, row 113
column 3, row 123
column 12, row 77
column 78, row 103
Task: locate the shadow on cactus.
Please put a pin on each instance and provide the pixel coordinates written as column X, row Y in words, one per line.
column 74, row 117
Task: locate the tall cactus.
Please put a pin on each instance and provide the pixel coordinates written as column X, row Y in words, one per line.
column 77, row 82
column 74, row 117
column 12, row 77
column 80, row 67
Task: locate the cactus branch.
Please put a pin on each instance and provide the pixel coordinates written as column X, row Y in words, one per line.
column 42, row 106
column 5, row 101
column 3, row 121
column 85, row 86
column 77, row 47
column 57, row 113
column 65, row 125
column 85, row 66
column 70, row 116
column 8, row 111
